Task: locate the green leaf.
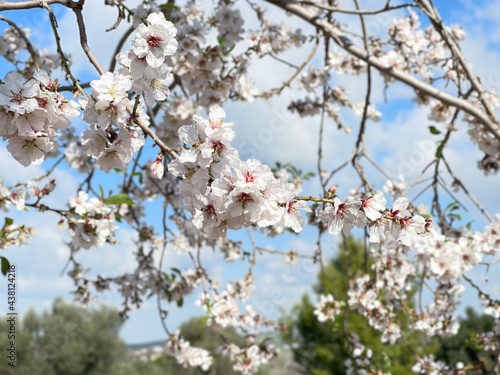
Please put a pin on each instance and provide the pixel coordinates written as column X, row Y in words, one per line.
column 118, row 217
column 120, row 199
column 8, row 221
column 433, row 130
column 221, row 40
column 180, row 302
column 439, row 150
column 469, row 225
column 450, row 206
column 5, row 266
column 170, row 6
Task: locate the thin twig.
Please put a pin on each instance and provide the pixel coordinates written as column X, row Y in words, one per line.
column 119, row 46
column 345, row 43
column 287, row 83
column 355, row 11
column 471, row 197
column 29, row 46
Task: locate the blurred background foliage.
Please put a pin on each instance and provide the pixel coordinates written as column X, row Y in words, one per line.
column 72, row 340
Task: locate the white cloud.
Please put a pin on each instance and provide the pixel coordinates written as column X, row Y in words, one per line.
column 11, row 170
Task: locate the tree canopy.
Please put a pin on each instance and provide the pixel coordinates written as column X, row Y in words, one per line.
column 165, row 153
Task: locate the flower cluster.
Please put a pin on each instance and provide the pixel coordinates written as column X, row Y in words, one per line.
column 247, row 360
column 187, row 355
column 224, row 311
column 327, row 308
column 428, row 365
column 145, row 63
column 91, row 222
column 371, row 211
column 113, row 138
column 361, row 358
column 31, row 113
column 221, row 199
column 274, row 38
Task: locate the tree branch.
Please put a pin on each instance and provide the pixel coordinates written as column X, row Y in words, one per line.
column 355, row 11
column 15, row 5
column 345, row 43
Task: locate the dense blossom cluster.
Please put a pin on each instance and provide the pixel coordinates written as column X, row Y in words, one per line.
column 31, row 114
column 371, row 211
column 223, row 192
column 442, row 261
column 91, row 222
column 163, row 83
column 247, row 360
column 113, row 138
column 327, row 308
column 187, row 355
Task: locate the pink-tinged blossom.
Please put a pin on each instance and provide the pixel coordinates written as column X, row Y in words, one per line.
column 289, row 214
column 341, row 216
column 17, row 96
column 253, row 173
column 405, row 227
column 19, row 196
column 80, row 203
column 209, row 215
column 156, row 40
column 245, row 201
column 157, row 169
column 29, row 150
column 327, row 308
column 379, row 229
column 372, row 206
column 187, row 355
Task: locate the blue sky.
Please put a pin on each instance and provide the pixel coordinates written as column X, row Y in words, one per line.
column 400, row 142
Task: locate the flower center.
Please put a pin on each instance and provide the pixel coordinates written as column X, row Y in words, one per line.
column 42, row 102
column 154, row 42
column 17, row 97
column 30, row 147
column 245, row 199
column 210, row 210
column 218, row 147
column 249, row 177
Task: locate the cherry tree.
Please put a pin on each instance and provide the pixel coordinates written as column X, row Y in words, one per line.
column 156, row 118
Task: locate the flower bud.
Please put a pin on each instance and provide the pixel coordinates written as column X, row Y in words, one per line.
column 331, row 192
column 156, row 170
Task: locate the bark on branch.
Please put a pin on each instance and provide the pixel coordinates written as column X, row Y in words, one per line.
column 345, row 43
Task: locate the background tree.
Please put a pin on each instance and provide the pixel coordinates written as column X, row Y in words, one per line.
column 69, row 340
column 462, row 347
column 321, row 347
column 173, row 69
column 200, row 335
